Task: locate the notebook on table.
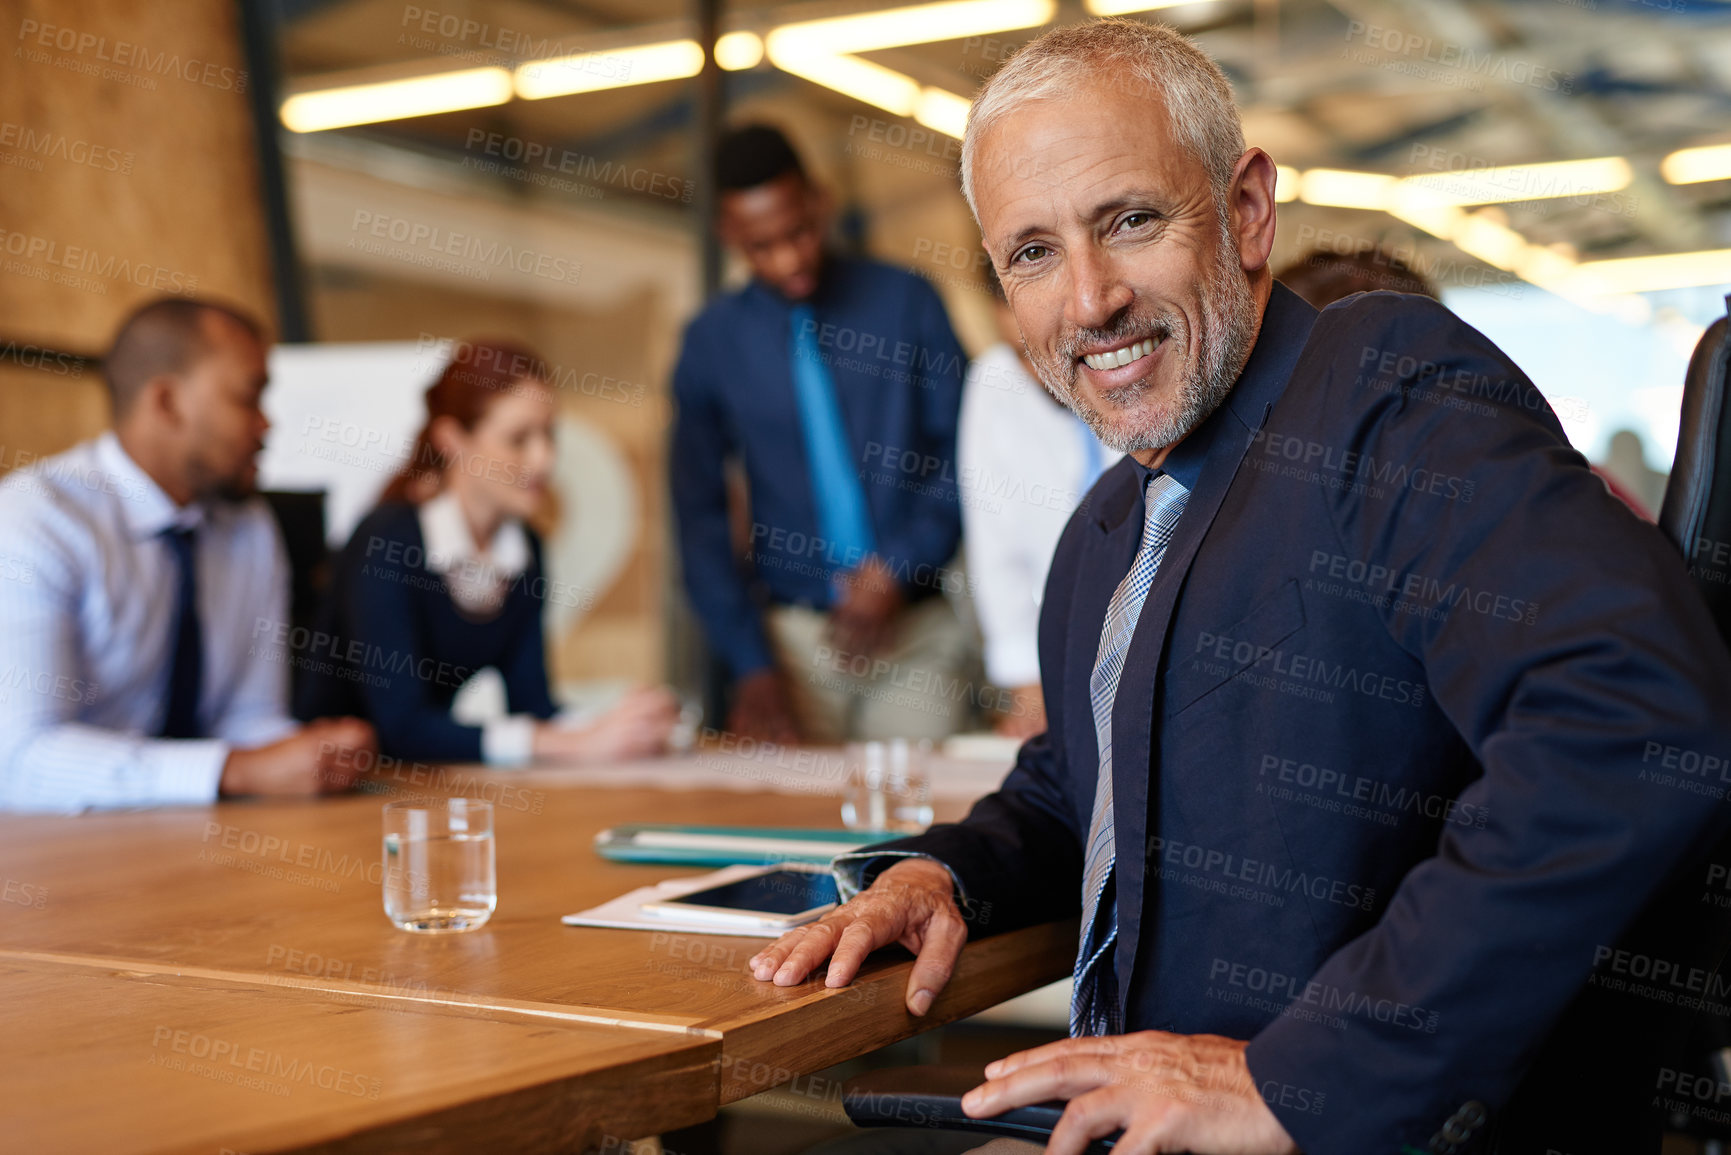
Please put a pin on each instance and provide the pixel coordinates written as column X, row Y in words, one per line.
column 727, row 845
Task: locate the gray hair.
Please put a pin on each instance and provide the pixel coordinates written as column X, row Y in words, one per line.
column 1197, row 95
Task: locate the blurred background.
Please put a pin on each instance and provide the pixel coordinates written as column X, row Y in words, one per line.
column 381, row 179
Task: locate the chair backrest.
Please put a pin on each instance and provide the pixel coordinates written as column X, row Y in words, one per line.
column 301, row 517
column 1696, row 515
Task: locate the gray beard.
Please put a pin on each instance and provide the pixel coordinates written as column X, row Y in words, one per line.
column 1228, row 332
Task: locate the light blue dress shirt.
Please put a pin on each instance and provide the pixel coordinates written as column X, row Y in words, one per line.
column 87, row 606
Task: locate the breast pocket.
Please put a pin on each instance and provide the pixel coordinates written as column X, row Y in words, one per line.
column 1207, row 659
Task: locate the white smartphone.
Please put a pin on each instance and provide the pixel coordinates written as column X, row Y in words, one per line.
column 776, row 898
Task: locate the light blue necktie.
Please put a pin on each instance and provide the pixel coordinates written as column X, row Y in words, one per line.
column 1094, row 1006
column 842, row 518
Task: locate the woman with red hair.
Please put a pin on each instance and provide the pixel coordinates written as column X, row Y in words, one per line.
column 445, row 578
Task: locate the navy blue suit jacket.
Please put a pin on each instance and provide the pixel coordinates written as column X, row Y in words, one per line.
column 1388, row 745
column 897, row 368
column 392, row 647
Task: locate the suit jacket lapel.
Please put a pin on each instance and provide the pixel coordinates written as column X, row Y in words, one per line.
column 1107, row 551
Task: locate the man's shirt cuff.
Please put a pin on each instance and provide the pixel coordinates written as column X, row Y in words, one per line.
column 850, row 870
column 508, row 741
column 183, row 772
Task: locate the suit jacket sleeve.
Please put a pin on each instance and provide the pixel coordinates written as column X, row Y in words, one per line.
column 525, row 669
column 697, row 457
column 927, row 538
column 1017, row 856
column 1568, row 702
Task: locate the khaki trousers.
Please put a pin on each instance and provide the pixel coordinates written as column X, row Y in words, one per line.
column 915, row 687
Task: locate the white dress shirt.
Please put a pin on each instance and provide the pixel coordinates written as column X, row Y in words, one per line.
column 88, row 590
column 1024, row 464
column 478, row 580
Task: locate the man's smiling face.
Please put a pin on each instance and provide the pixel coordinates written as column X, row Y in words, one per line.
column 1126, row 274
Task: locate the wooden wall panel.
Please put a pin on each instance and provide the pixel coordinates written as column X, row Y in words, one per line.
column 43, row 412
column 127, row 167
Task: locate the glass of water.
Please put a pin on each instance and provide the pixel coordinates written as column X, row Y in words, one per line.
column 889, row 786
column 439, row 872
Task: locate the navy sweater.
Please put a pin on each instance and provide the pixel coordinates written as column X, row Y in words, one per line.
column 392, row 647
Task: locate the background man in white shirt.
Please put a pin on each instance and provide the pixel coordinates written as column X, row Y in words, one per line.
column 1025, row 463
column 134, row 571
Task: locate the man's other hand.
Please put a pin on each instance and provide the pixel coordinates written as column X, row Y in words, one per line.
column 761, row 709
column 911, row 903
column 863, row 621
column 1165, row 1092
column 319, row 758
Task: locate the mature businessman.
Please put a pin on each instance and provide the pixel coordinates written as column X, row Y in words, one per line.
column 1355, row 677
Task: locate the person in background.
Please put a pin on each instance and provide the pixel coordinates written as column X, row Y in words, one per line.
column 445, row 578
column 1025, row 462
column 139, row 566
column 1626, row 474
column 835, row 382
column 1323, row 276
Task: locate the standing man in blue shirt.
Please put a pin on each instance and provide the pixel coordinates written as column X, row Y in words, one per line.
column 835, row 382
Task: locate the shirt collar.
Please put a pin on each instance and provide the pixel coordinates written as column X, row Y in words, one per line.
column 147, row 510
column 449, row 544
column 830, row 274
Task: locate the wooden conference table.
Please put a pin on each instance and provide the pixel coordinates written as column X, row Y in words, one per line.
column 223, row 979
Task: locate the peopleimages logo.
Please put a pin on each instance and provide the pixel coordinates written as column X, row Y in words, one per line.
column 75, row 259
column 1168, row 852
column 99, row 51
column 1356, row 788
column 1325, row 997
column 482, row 255
column 1461, row 59
column 1354, row 466
column 1393, row 588
column 45, row 143
column 547, row 160
column 1221, row 653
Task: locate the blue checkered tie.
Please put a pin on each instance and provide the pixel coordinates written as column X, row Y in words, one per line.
column 1094, row 1006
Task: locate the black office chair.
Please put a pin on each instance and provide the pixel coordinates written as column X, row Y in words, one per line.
column 301, row 517
column 1696, row 515
column 931, row 1097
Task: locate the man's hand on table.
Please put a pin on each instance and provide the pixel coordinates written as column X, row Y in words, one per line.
column 319, row 758
column 911, row 903
column 636, row 726
column 863, row 620
column 761, row 710
column 1165, row 1092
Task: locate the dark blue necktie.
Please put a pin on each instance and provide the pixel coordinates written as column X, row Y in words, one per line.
column 186, row 673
